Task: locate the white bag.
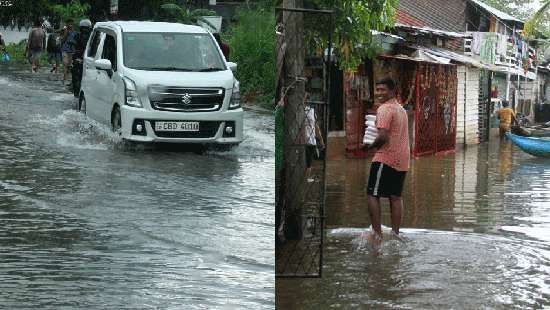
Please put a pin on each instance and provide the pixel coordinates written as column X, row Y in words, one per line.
column 370, row 130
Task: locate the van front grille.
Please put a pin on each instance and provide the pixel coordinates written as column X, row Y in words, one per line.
column 181, row 99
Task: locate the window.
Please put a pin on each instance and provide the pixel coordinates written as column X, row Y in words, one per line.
column 95, row 43
column 109, row 50
column 171, row 52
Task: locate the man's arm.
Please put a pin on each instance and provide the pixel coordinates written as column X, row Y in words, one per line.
column 381, row 139
column 319, row 136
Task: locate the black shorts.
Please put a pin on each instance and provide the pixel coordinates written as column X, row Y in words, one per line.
column 310, row 152
column 384, row 181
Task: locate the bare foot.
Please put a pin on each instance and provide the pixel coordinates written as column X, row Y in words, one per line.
column 373, row 239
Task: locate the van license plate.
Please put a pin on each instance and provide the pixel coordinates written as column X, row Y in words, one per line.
column 177, row 126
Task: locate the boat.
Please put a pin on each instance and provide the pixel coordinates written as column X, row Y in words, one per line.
column 535, row 146
column 531, row 131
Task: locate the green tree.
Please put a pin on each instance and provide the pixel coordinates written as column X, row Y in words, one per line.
column 23, row 12
column 353, row 22
column 73, row 10
column 538, row 21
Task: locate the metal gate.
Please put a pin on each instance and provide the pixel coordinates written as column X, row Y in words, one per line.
column 303, row 67
column 484, row 106
column 435, row 111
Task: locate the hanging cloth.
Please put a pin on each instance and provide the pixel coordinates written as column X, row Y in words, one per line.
column 488, row 48
column 502, row 44
column 477, row 38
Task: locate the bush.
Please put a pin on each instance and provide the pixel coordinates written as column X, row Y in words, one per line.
column 252, row 43
column 17, row 53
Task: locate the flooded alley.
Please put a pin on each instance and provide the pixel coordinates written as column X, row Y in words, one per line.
column 89, row 222
column 476, row 236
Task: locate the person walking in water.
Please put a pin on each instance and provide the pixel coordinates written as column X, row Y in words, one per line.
column 391, row 159
column 54, row 50
column 506, row 115
column 35, row 45
column 68, row 48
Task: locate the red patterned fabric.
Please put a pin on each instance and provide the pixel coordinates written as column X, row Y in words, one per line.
column 435, row 111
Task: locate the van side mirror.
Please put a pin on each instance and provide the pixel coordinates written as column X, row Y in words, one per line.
column 104, row 64
column 232, row 66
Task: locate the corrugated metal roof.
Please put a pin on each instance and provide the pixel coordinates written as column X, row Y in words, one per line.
column 415, row 59
column 374, row 33
column 454, row 56
column 497, row 13
column 431, row 31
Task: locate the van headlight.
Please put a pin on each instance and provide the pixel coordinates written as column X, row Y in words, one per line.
column 235, row 101
column 131, row 96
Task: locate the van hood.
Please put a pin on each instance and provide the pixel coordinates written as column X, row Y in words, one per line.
column 143, row 78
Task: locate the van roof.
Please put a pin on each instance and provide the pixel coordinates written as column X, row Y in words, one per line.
column 139, row 26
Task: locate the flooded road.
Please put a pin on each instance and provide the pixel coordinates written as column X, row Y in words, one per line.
column 89, row 222
column 476, row 236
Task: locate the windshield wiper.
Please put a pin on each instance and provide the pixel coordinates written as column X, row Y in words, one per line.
column 173, row 69
column 143, row 68
column 163, row 69
column 210, row 69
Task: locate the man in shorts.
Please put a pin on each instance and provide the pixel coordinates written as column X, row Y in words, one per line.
column 391, row 159
column 35, row 45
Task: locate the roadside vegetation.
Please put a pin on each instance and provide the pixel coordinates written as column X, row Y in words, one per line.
column 252, row 43
column 250, row 36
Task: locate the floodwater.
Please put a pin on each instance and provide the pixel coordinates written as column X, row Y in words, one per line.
column 88, row 222
column 476, row 236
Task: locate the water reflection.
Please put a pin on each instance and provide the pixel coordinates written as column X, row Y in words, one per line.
column 476, row 229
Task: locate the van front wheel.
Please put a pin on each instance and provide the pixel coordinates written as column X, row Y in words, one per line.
column 116, row 122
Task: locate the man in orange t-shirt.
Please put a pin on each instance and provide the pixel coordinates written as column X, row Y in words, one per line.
column 506, row 115
column 391, row 160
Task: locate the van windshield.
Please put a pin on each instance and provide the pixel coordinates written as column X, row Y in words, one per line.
column 171, row 52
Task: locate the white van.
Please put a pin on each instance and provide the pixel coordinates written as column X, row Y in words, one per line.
column 161, row 82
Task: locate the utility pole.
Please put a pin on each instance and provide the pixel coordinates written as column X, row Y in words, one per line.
column 294, row 157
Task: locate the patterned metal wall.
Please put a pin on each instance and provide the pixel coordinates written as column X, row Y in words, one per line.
column 302, row 68
column 435, row 111
column 484, row 107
